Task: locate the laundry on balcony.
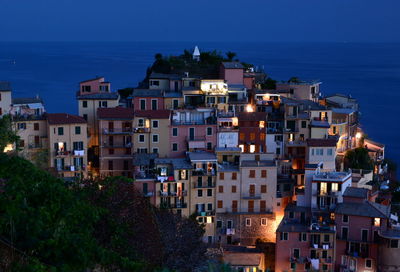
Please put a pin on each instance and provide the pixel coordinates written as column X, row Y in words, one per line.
column 162, row 179
column 79, row 152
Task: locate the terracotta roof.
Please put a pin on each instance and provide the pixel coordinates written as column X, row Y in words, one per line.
column 368, row 209
column 115, row 113
column 160, row 114
column 64, row 118
column 95, row 96
column 92, row 79
column 321, row 142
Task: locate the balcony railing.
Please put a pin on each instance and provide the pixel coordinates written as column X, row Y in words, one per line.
column 79, row 153
column 205, row 213
column 173, row 194
column 118, row 131
column 70, row 168
column 117, row 145
column 251, row 196
column 227, row 231
column 62, row 153
column 204, row 185
column 179, row 205
column 141, row 130
column 202, row 172
column 148, row 194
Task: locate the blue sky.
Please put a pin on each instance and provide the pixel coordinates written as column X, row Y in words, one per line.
column 203, row 20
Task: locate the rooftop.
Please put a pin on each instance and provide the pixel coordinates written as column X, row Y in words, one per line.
column 262, row 163
column 368, row 209
column 232, row 65
column 227, row 149
column 92, row 79
column 343, row 110
column 155, row 75
column 147, row 93
column 252, row 116
column 178, row 163
column 285, row 226
column 356, row 192
column 5, row 86
column 143, row 158
column 64, row 118
column 242, row 258
column 320, row 124
column 202, row 156
column 152, row 114
column 26, row 100
column 332, row 176
column 115, row 113
column 97, row 96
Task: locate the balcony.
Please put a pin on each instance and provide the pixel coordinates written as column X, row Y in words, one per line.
column 204, row 185
column 227, row 231
column 165, row 178
column 357, row 254
column 115, row 131
column 197, row 142
column 143, row 175
column 141, row 130
column 202, row 172
column 296, row 143
column 116, row 145
column 321, row 245
column 251, row 196
column 205, row 213
column 178, row 205
column 79, row 153
column 299, row 260
column 173, row 194
column 61, row 153
column 70, row 168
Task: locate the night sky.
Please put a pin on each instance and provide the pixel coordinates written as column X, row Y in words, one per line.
column 206, row 20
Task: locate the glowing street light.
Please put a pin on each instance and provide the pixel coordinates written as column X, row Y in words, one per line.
column 249, row 108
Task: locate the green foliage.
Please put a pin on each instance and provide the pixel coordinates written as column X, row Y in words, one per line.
column 358, row 159
column 269, row 84
column 230, row 55
column 124, row 93
column 7, row 134
column 42, row 218
column 294, row 80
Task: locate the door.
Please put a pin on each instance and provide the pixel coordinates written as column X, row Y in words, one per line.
column 234, row 206
column 145, row 188
column 176, row 86
column 37, row 141
column 191, row 133
column 111, row 126
column 251, row 206
column 252, row 190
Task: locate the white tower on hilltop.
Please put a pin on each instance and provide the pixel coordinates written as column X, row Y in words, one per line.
column 196, row 54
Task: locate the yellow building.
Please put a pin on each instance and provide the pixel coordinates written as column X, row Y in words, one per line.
column 67, row 141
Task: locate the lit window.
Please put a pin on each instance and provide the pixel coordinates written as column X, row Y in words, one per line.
column 377, row 222
column 241, row 148
column 262, row 124
column 335, row 187
column 252, row 148
column 209, row 219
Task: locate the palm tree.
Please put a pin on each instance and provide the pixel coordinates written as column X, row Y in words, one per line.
column 230, row 55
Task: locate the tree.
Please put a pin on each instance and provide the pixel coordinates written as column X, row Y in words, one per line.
column 230, row 55
column 125, row 92
column 358, row 158
column 181, row 238
column 294, row 80
column 7, row 134
column 269, row 84
column 41, row 218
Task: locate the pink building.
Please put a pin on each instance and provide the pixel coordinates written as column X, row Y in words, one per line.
column 192, row 130
column 232, row 72
column 146, row 99
column 95, row 85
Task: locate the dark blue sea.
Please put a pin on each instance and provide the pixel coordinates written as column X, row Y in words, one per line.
column 369, row 72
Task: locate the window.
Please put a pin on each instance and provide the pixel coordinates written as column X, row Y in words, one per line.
column 60, row 131
column 21, row 143
column 174, row 132
column 263, row 206
column 154, row 82
column 303, row 237
column 263, row 189
column 241, row 136
column 263, row 221
column 324, row 267
column 174, row 147
column 209, row 146
column 319, row 151
column 141, row 122
column 330, row 152
column 219, row 224
column 110, row 165
column 209, row 131
column 85, row 117
column 142, row 104
column 221, row 175
column 284, row 236
column 209, row 192
column 141, row 138
column 155, row 150
column 296, row 253
column 36, row 126
column 111, row 151
column 248, row 222
column 234, row 176
column 21, row 126
column 220, row 189
column 291, row 215
column 154, row 104
column 155, row 138
column 175, row 103
column 364, row 235
column 233, row 188
column 303, row 124
column 263, row 173
column 368, row 263
column 394, row 243
column 324, row 254
column 252, row 174
column 220, row 204
column 345, row 218
column 209, row 207
column 335, row 187
column 154, row 123
column 345, row 232
column 84, row 104
column 326, row 238
column 199, row 193
column 77, row 130
column 377, row 222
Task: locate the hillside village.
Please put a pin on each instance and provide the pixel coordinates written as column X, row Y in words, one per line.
column 281, row 177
